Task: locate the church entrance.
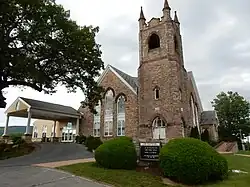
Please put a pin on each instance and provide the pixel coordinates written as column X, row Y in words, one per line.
column 159, row 129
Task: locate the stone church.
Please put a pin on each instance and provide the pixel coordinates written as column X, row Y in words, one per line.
column 162, row 102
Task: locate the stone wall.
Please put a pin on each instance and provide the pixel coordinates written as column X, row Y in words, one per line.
column 111, row 81
column 163, row 67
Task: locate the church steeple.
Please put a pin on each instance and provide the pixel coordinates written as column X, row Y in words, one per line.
column 142, row 17
column 142, row 20
column 176, row 20
column 166, row 11
column 166, row 5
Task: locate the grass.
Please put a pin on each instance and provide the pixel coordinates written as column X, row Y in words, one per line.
column 124, row 178
column 236, row 179
column 244, row 152
column 8, row 151
column 119, row 178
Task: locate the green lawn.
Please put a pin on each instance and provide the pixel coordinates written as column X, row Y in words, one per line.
column 123, row 178
column 244, row 152
column 119, row 178
column 235, row 179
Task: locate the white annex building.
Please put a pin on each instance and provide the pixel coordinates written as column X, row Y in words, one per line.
column 55, row 122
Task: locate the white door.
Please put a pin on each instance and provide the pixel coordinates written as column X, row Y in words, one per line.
column 67, row 135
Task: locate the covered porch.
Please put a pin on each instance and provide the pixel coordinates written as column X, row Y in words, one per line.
column 35, row 109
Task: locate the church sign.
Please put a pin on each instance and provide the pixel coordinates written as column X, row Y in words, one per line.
column 149, row 151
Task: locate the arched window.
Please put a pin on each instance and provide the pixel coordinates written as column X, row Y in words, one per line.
column 35, row 133
column 193, row 110
column 159, row 129
column 121, row 116
column 183, row 127
column 180, row 94
column 157, row 93
column 197, row 116
column 154, row 41
column 176, row 44
column 44, row 131
column 97, row 120
column 108, row 115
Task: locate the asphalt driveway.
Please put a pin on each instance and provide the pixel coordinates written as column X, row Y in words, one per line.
column 18, row 172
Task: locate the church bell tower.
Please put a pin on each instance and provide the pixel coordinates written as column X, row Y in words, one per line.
column 160, row 75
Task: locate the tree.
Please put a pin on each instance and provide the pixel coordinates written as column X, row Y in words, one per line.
column 233, row 114
column 41, row 47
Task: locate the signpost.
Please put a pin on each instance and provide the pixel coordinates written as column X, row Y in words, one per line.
column 149, row 151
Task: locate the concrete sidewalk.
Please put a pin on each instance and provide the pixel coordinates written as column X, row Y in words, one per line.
column 64, row 163
column 30, row 176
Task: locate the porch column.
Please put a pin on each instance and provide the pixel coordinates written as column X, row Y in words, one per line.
column 54, row 129
column 28, row 123
column 77, row 127
column 6, row 126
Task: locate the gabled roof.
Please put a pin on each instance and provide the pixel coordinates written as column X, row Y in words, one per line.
column 209, row 118
column 132, row 81
column 42, row 105
column 129, row 81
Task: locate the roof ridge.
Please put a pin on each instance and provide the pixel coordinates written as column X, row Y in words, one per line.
column 47, row 102
column 122, row 71
column 132, row 81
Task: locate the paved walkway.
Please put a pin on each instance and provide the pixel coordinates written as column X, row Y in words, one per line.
column 64, row 163
column 24, row 171
column 50, row 152
column 29, row 176
column 242, row 155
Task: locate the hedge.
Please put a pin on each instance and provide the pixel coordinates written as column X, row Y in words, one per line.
column 191, row 161
column 92, row 143
column 118, row 153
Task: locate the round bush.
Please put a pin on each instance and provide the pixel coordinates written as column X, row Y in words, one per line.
column 92, row 143
column 191, row 161
column 118, row 153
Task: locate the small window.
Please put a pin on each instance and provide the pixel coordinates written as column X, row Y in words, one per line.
column 154, row 41
column 180, row 94
column 176, row 44
column 157, row 93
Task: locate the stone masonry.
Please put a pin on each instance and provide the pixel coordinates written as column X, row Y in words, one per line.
column 161, row 67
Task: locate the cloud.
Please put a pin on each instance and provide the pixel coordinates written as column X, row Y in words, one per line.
column 215, row 35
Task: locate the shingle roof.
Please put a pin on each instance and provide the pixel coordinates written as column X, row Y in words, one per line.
column 41, row 105
column 132, row 81
column 208, row 118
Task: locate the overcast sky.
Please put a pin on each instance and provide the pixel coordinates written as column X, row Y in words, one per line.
column 215, row 36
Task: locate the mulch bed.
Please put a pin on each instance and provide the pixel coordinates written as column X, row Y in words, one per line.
column 151, row 168
column 10, row 151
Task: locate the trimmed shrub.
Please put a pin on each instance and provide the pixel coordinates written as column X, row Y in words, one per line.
column 205, row 136
column 126, row 138
column 17, row 139
column 213, row 143
column 191, row 161
column 118, row 153
column 92, row 143
column 80, row 139
column 3, row 146
column 195, row 133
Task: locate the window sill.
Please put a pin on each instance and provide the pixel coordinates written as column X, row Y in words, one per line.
column 108, row 136
column 120, row 135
